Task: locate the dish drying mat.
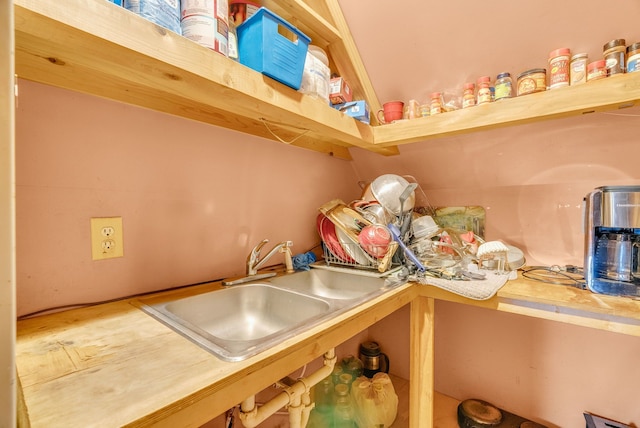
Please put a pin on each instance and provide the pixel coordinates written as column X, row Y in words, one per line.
column 473, row 289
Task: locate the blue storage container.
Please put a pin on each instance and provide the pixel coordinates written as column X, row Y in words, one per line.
column 272, row 46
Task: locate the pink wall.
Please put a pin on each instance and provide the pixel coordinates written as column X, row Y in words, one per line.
column 195, row 198
column 530, row 179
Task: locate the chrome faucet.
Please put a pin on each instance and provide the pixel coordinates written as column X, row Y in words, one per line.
column 254, row 262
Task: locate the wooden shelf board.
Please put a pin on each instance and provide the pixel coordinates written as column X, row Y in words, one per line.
column 557, row 303
column 110, row 52
column 104, row 50
column 601, row 95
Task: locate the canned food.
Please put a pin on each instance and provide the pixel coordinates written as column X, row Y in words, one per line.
column 633, row 58
column 614, row 54
column 559, row 68
column 596, row 70
column 530, row 81
column 578, row 69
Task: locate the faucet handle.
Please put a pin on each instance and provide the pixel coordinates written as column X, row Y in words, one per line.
column 257, row 248
column 253, row 257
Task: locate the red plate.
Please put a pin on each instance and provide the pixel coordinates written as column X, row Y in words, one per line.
column 327, row 231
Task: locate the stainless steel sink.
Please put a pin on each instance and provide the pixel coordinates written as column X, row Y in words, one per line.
column 240, row 321
column 331, row 284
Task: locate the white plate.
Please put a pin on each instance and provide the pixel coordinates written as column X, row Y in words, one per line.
column 353, row 249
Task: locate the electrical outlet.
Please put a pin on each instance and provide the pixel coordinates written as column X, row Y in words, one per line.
column 106, row 238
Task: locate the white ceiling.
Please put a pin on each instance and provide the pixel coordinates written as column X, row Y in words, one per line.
column 415, row 47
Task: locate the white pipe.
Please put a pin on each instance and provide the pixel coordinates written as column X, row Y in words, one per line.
column 251, row 415
column 306, row 410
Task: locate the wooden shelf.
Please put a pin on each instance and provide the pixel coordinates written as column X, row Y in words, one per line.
column 601, row 95
column 98, row 48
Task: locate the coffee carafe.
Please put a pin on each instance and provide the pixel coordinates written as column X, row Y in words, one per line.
column 612, row 240
column 373, row 359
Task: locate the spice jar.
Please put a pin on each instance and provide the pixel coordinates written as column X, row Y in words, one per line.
column 484, row 90
column 633, row 57
column 614, row 54
column 596, row 70
column 559, row 68
column 578, row 69
column 436, row 103
column 530, row 81
column 413, row 110
column 469, row 95
column 504, row 86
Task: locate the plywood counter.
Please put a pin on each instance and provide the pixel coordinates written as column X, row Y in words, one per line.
column 114, row 365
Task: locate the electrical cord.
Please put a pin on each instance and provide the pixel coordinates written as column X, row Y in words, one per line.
column 569, row 275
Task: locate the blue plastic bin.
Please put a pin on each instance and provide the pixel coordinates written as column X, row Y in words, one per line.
column 273, row 47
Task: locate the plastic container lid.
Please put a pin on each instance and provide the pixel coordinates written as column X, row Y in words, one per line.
column 633, row 47
column 533, row 71
column 319, row 53
column 559, row 52
column 578, row 56
column 502, row 75
column 614, row 43
column 596, row 64
column 484, row 79
column 469, row 86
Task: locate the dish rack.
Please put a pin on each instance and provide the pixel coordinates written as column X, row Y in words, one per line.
column 356, row 257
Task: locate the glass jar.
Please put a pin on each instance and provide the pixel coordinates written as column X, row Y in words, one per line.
column 484, row 90
column 436, row 103
column 344, row 413
column 596, row 70
column 614, row 54
column 468, row 95
column 559, row 68
column 633, row 57
column 578, row 69
column 504, row 86
column 530, row 81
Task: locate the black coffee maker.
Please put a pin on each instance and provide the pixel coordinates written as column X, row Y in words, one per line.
column 612, row 240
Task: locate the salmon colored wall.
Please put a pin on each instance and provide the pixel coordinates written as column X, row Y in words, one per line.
column 531, row 180
column 195, row 198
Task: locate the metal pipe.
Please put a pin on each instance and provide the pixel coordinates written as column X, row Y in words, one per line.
column 251, row 415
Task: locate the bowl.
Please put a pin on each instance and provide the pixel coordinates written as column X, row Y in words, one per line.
column 424, row 226
column 375, row 240
column 386, row 189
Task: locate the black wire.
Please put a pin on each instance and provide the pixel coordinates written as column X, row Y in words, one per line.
column 568, row 275
column 117, row 299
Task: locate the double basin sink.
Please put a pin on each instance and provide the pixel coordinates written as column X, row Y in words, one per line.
column 240, row 321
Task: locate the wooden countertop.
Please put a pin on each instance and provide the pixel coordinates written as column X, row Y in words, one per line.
column 114, row 365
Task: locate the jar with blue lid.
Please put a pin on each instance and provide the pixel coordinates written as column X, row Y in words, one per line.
column 504, row 86
column 633, row 57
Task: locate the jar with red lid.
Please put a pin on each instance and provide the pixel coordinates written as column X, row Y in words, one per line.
column 596, row 70
column 436, row 103
column 614, row 54
column 559, row 68
column 469, row 95
column 484, row 90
